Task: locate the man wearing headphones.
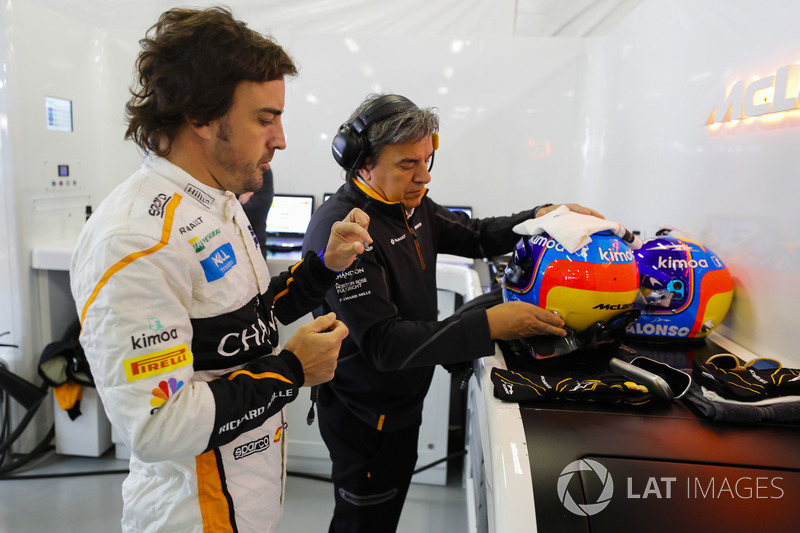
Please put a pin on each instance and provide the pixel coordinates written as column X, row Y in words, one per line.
column 370, row 413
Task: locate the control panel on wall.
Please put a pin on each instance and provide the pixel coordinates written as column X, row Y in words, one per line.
column 63, row 174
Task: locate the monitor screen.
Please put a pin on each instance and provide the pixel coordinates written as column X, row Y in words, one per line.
column 290, row 213
column 59, row 113
column 326, row 196
column 463, row 209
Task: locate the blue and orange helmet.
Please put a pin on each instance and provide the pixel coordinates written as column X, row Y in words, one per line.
column 686, row 290
column 593, row 284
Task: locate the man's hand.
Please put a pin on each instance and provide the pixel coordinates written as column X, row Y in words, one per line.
column 572, row 207
column 514, row 320
column 317, row 345
column 347, row 240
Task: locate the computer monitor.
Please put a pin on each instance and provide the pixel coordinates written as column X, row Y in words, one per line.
column 463, row 209
column 326, row 196
column 288, row 220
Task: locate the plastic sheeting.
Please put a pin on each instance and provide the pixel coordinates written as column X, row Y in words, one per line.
column 449, row 18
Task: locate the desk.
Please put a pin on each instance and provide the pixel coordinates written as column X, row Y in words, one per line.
column 671, row 470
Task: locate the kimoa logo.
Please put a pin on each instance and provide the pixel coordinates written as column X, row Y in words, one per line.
column 615, row 255
column 681, row 264
column 752, row 98
column 585, row 509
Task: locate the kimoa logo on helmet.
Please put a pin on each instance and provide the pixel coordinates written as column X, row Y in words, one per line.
column 587, row 509
column 616, row 255
column 681, row 264
column 545, row 241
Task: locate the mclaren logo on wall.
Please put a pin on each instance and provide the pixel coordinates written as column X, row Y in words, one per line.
column 746, row 98
column 585, row 509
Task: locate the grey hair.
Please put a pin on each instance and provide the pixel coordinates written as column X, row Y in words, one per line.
column 408, row 126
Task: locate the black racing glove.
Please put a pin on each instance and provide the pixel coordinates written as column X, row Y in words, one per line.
column 747, row 384
column 603, row 388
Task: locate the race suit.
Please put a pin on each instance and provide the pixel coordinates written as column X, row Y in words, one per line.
column 179, row 326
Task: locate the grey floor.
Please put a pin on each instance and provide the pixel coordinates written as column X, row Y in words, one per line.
column 94, row 503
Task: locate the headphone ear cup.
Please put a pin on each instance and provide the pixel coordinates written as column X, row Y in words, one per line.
column 347, row 147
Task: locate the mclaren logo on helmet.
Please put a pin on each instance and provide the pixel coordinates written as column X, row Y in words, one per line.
column 613, row 307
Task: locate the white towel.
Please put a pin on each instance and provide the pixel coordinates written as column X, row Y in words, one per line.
column 573, row 230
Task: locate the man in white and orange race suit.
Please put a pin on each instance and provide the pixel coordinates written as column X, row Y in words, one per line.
column 178, row 310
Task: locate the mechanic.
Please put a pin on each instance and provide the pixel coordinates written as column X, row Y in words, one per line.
column 178, row 310
column 370, row 413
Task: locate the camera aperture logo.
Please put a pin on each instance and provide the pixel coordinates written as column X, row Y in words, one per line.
column 654, row 487
column 585, row 509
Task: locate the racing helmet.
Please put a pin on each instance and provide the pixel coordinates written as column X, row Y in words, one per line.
column 593, row 284
column 685, row 289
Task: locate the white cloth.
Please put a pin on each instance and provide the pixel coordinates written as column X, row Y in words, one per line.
column 572, row 230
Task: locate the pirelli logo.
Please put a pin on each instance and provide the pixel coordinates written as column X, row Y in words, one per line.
column 156, row 363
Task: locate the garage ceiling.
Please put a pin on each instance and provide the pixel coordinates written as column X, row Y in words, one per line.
column 455, row 18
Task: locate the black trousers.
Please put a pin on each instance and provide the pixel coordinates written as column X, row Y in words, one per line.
column 371, row 470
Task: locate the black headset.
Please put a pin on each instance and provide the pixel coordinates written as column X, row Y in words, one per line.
column 350, row 145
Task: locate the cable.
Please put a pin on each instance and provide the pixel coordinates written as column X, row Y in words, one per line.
column 5, row 409
column 454, row 455
column 5, row 427
column 6, row 444
column 26, row 458
column 66, row 474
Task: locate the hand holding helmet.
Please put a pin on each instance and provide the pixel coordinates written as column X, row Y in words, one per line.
column 518, row 319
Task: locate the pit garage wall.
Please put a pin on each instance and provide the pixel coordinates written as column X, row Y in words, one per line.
column 650, row 158
column 615, row 122
column 50, row 54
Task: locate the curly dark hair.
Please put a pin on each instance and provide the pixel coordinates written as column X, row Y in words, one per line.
column 190, row 63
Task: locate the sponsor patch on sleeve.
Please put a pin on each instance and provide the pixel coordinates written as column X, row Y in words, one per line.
column 219, row 262
column 156, row 363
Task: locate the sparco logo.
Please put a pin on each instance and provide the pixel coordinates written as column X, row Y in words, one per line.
column 587, row 509
column 158, row 205
column 240, row 452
